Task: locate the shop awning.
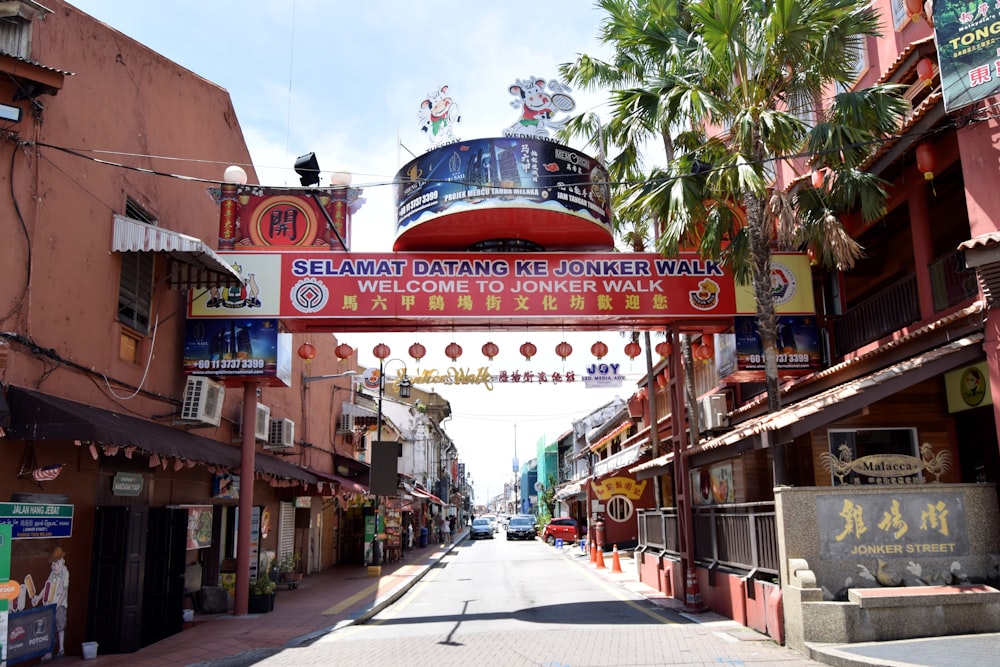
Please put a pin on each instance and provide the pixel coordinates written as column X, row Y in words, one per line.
column 426, row 495
column 343, row 482
column 192, row 263
column 653, row 468
column 38, row 416
column 811, row 413
column 362, row 416
column 570, row 490
column 838, row 402
column 611, row 435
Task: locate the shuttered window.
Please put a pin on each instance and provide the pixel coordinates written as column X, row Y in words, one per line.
column 135, row 286
column 286, row 532
column 899, row 16
column 858, row 46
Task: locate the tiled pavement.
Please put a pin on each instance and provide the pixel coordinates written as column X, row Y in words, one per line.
column 345, row 595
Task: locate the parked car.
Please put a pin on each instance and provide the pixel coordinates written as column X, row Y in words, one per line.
column 531, row 518
column 481, row 528
column 521, row 528
column 563, row 528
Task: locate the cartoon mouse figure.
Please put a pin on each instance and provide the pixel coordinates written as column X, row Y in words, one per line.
column 538, row 107
column 438, row 113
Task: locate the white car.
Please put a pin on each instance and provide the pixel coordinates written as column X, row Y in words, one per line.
column 493, row 521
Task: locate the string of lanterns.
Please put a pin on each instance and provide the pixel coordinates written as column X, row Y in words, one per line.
column 703, row 350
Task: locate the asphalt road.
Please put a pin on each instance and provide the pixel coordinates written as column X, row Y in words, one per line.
column 494, row 602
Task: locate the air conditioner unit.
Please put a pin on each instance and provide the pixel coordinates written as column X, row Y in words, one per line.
column 262, row 424
column 713, row 412
column 282, row 435
column 203, row 400
column 346, row 424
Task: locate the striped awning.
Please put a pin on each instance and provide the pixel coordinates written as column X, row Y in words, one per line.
column 193, row 265
column 614, row 433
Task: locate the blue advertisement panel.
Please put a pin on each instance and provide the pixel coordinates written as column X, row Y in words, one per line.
column 740, row 356
column 237, row 348
column 968, row 36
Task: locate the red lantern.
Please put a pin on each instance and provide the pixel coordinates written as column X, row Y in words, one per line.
column 661, row 381
column 819, row 178
column 307, row 351
column 564, row 349
column 633, row 350
column 454, row 351
column 417, row 351
column 490, row 350
column 344, row 351
column 599, row 350
column 381, row 351
column 528, row 350
column 664, row 349
column 695, row 350
column 927, row 160
column 925, row 70
column 914, row 8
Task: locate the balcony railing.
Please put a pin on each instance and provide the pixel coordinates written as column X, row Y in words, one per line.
column 741, row 536
column 890, row 310
column 898, row 305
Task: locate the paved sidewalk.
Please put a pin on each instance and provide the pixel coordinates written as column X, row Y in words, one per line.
column 928, row 652
column 346, row 595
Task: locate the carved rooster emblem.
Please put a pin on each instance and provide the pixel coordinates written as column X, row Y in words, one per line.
column 936, row 464
column 839, row 466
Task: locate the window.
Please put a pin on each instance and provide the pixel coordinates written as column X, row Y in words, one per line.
column 858, row 47
column 619, row 508
column 135, row 286
column 900, row 17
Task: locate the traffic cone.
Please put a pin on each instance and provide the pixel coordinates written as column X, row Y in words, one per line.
column 616, row 565
column 692, row 594
column 600, row 559
column 593, row 553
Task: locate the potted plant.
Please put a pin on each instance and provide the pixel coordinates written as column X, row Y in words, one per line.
column 261, row 596
column 288, row 568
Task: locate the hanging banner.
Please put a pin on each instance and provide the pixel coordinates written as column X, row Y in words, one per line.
column 451, row 290
column 967, row 35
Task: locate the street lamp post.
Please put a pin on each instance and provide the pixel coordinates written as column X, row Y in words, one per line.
column 403, row 385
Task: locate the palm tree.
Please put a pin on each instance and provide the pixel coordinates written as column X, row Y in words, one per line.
column 738, row 86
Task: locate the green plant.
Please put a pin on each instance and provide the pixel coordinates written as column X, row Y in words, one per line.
column 289, row 563
column 263, row 586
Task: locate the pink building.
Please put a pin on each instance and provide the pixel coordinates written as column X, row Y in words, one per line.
column 115, row 467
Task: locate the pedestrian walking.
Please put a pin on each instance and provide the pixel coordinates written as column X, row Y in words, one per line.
column 445, row 532
column 409, row 536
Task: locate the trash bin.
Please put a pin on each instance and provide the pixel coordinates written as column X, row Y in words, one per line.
column 423, row 537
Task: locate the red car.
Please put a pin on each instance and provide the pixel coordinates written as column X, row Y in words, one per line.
column 562, row 528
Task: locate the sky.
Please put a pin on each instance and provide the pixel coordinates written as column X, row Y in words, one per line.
column 345, row 80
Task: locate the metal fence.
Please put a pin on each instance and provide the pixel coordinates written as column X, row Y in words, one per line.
column 742, row 536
